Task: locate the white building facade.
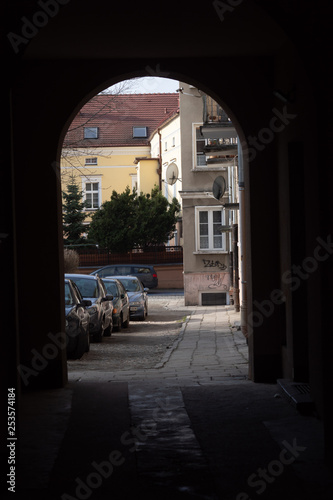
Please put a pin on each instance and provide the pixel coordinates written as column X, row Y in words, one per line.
column 210, row 198
column 198, row 151
column 165, row 143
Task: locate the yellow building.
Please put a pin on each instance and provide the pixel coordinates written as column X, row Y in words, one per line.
column 148, row 174
column 107, row 145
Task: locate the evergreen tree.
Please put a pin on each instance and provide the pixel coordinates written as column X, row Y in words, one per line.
column 128, row 221
column 156, row 218
column 73, row 215
column 113, row 225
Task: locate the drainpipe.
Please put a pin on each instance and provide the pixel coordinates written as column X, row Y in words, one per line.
column 160, row 158
column 235, row 274
column 242, row 242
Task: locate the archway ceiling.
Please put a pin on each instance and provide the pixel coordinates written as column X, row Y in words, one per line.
column 104, row 30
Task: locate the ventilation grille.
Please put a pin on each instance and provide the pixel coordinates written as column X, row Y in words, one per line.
column 213, row 299
column 297, row 394
column 302, row 388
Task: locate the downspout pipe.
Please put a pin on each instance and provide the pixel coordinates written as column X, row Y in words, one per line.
column 160, row 158
column 242, row 242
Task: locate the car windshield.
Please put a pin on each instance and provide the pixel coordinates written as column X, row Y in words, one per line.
column 108, row 271
column 68, row 296
column 131, row 285
column 111, row 288
column 87, row 287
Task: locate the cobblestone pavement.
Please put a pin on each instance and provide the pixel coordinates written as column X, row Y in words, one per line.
column 142, row 345
column 176, row 344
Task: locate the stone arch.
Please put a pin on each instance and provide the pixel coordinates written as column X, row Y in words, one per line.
column 252, row 49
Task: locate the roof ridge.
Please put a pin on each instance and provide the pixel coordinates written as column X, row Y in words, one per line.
column 137, row 94
column 167, row 117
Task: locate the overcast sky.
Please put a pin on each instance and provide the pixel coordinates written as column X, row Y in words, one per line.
column 150, row 85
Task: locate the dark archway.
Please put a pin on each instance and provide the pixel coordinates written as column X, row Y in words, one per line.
column 56, row 70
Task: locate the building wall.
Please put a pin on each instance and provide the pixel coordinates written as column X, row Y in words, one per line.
column 205, row 271
column 166, row 142
column 148, row 175
column 170, row 276
column 115, row 169
column 171, row 153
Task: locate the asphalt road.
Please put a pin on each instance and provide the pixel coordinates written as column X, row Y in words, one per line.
column 143, row 344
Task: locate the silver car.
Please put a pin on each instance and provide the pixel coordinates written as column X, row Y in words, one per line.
column 137, row 296
column 77, row 321
column 146, row 274
column 121, row 312
column 93, row 288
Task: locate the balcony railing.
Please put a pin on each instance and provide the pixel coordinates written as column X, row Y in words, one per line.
column 212, row 111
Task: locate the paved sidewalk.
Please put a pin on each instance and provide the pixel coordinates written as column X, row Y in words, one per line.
column 193, row 427
column 209, row 349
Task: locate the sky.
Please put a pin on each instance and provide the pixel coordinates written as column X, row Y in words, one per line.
column 149, row 85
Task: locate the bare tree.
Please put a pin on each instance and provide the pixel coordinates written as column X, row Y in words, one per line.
column 75, row 147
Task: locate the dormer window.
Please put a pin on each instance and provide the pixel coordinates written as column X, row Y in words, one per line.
column 91, row 132
column 140, row 132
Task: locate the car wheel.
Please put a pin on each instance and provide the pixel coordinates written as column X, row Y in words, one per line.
column 108, row 331
column 97, row 337
column 119, row 324
column 80, row 347
column 88, row 341
column 126, row 323
column 143, row 317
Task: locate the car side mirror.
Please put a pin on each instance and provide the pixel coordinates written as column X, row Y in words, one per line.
column 145, row 289
column 122, row 296
column 85, row 303
column 108, row 297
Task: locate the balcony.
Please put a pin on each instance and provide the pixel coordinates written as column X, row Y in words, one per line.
column 212, row 111
column 221, row 161
column 218, row 149
column 218, row 130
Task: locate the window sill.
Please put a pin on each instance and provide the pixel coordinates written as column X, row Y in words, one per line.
column 209, row 169
column 210, row 252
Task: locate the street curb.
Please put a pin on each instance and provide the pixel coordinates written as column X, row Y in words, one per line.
column 175, row 344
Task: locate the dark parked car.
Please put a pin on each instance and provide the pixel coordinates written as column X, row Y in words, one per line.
column 77, row 321
column 137, row 296
column 93, row 288
column 146, row 274
column 121, row 312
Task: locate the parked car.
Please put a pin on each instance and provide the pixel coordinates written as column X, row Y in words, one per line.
column 137, row 296
column 100, row 311
column 121, row 311
column 77, row 321
column 146, row 274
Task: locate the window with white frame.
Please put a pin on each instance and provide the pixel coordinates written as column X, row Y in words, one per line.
column 91, row 161
column 134, row 179
column 209, row 237
column 92, row 198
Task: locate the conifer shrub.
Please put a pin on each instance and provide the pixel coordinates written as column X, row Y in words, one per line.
column 71, row 260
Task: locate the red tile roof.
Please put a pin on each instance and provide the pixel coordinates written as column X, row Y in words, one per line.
column 116, row 115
